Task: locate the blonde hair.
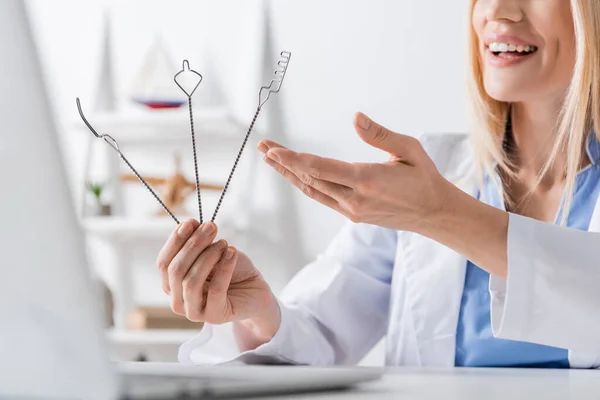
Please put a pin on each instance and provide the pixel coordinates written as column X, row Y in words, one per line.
column 580, row 110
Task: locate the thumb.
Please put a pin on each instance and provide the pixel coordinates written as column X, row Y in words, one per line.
column 382, row 138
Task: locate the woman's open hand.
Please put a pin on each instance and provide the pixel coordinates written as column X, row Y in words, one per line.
column 401, row 194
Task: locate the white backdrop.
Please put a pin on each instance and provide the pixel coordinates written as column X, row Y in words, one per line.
column 400, row 61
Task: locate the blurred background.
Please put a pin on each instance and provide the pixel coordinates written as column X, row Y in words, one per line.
column 400, row 61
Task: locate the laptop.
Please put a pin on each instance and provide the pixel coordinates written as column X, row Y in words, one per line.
column 52, row 342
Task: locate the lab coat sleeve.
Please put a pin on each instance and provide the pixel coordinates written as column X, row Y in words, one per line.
column 335, row 309
column 552, row 293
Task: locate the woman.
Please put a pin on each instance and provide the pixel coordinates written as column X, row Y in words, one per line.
column 462, row 251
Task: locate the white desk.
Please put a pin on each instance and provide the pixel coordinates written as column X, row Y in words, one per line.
column 472, row 384
column 436, row 384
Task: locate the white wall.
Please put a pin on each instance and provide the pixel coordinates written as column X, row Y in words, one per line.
column 400, row 61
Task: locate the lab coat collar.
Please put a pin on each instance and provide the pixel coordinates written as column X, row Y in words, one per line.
column 593, row 147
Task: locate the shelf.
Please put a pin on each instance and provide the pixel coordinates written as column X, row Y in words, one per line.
column 137, row 229
column 124, row 228
column 164, row 126
column 150, row 337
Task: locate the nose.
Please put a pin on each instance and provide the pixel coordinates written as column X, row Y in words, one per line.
column 507, row 11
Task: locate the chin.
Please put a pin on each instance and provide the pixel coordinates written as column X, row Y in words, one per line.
column 508, row 93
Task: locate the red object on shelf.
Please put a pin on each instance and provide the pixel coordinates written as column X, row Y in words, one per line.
column 156, row 104
column 153, row 85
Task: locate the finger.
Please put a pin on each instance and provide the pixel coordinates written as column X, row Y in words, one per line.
column 306, row 189
column 322, row 168
column 202, row 237
column 372, row 133
column 193, row 283
column 171, row 247
column 217, row 305
column 335, row 191
column 265, row 145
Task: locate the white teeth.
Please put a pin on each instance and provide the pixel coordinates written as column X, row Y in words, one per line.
column 509, row 47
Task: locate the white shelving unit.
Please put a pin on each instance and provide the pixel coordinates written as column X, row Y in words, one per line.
column 150, row 127
column 162, row 129
column 151, row 345
column 128, row 229
column 171, row 337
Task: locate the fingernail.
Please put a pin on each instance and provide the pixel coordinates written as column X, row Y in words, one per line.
column 229, row 254
column 208, row 228
column 262, row 148
column 273, row 156
column 184, row 230
column 221, row 244
column 363, row 121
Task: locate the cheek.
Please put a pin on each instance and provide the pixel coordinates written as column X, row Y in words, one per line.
column 565, row 54
column 478, row 20
column 563, row 64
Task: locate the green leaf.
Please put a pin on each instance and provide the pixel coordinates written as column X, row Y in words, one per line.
column 95, row 188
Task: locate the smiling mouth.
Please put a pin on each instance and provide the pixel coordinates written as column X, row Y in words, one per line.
column 509, row 50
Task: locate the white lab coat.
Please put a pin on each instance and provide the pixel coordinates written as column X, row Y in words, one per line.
column 374, row 282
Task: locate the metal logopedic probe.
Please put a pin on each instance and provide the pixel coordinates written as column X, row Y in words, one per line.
column 113, row 143
column 186, row 69
column 263, row 95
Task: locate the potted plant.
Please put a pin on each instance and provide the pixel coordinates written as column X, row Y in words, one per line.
column 98, row 208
